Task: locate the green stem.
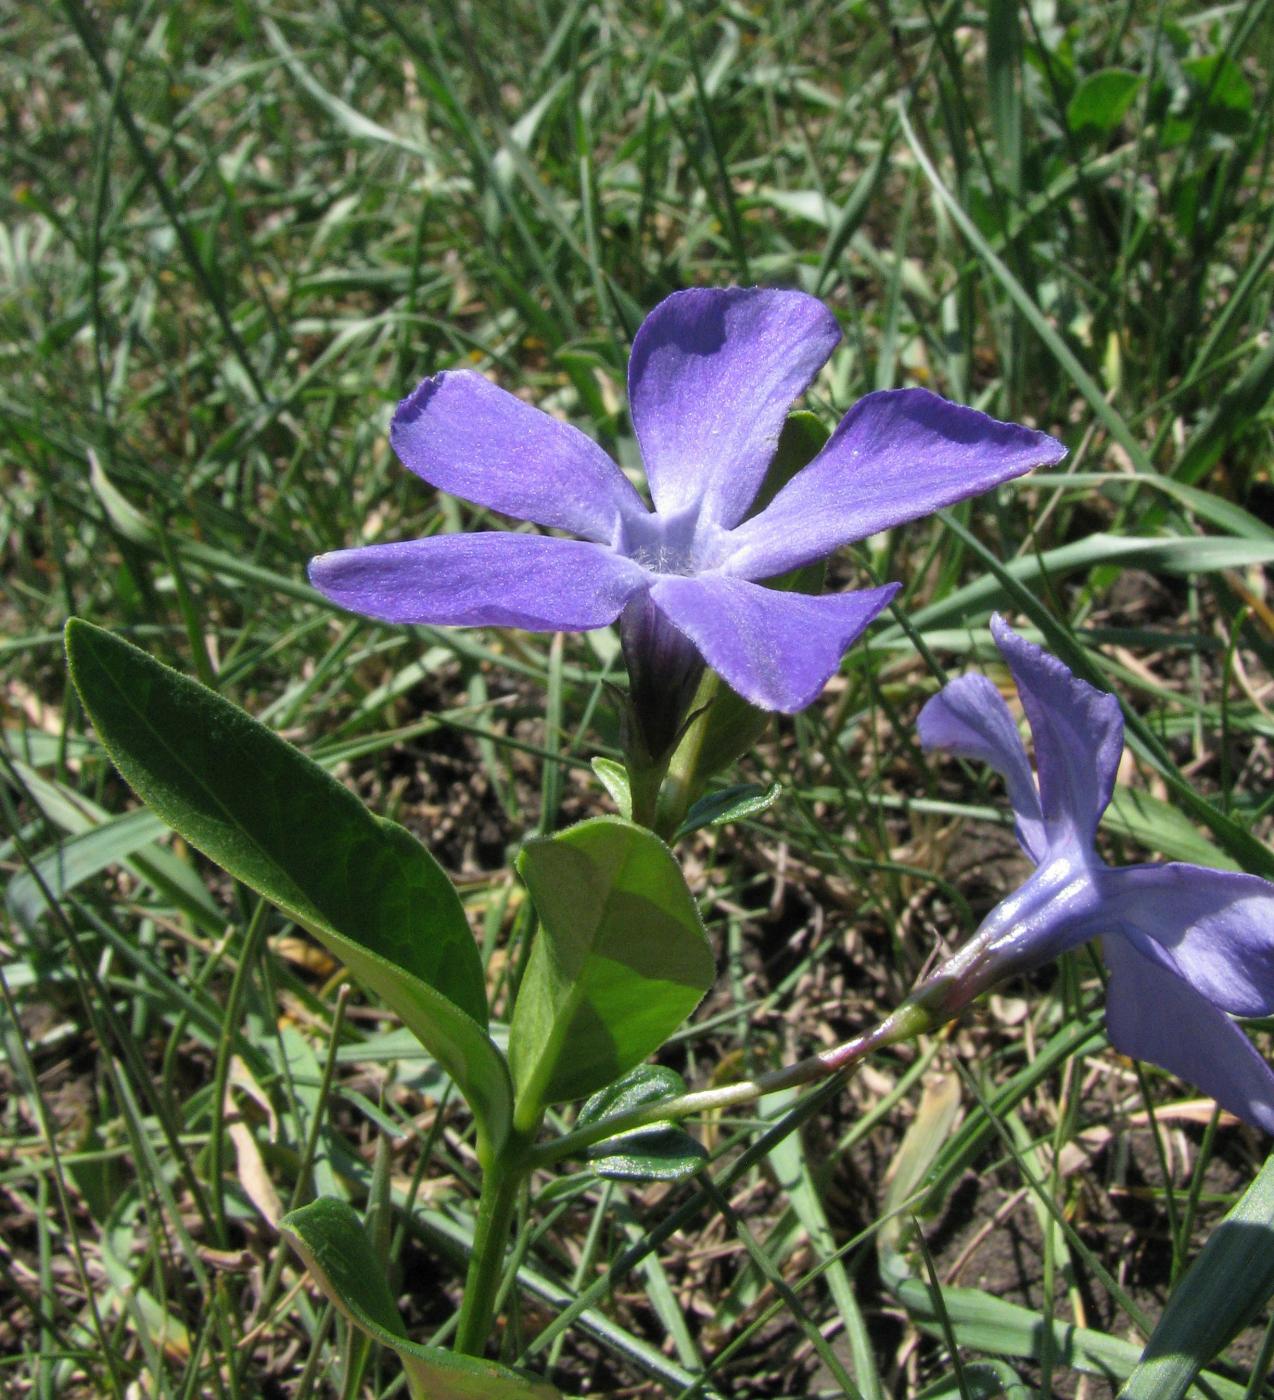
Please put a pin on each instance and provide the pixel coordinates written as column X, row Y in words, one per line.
column 644, row 781
column 500, row 1185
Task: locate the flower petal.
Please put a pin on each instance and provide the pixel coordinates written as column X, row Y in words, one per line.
column 1078, row 732
column 776, row 649
column 897, row 455
column 1153, row 1015
column 466, row 435
column 713, row 373
column 1215, row 927
column 968, row 717
column 484, row 580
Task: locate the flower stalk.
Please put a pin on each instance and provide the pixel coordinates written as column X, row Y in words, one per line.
column 914, row 1017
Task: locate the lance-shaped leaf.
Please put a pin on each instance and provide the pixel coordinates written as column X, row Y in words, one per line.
column 621, row 960
column 330, row 1239
column 363, row 886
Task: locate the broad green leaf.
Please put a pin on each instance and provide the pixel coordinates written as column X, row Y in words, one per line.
column 1221, row 1292
column 620, row 961
column 363, row 886
column 1102, row 101
column 330, row 1239
column 731, row 804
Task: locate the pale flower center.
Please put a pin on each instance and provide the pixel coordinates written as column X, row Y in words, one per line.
column 680, row 544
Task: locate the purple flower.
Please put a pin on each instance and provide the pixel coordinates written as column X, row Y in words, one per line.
column 712, row 376
column 1187, row 947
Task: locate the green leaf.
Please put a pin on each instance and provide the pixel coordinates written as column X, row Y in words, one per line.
column 661, row 1152
column 644, row 1085
column 731, row 804
column 1102, row 101
column 330, row 1239
column 657, row 1152
column 614, row 778
column 621, row 960
column 1220, row 1293
column 363, row 886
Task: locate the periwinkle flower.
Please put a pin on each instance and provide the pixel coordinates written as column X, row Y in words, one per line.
column 1187, row 947
column 712, row 375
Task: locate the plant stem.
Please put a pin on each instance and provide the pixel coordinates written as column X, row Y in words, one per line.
column 500, row 1185
column 643, row 785
column 911, row 1019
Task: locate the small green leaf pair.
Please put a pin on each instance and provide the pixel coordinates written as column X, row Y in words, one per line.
column 658, row 1152
column 729, row 804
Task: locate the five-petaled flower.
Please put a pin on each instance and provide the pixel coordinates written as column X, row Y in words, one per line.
column 712, row 375
column 1187, row 946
